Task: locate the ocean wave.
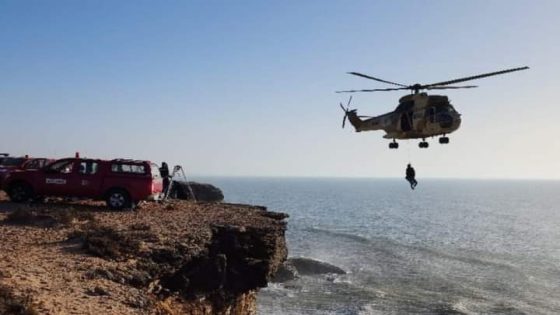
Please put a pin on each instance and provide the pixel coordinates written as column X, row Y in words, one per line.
column 393, row 248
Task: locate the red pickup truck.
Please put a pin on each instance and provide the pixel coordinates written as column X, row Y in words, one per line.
column 9, row 164
column 121, row 183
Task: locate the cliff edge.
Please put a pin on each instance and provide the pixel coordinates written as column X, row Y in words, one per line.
column 175, row 258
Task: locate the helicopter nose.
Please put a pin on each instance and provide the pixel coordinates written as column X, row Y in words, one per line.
column 457, row 121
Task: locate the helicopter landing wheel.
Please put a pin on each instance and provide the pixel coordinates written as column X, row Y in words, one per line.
column 423, row 144
column 444, row 140
column 393, row 145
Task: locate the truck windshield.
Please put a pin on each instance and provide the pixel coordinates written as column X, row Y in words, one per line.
column 12, row 161
column 63, row 167
column 35, row 164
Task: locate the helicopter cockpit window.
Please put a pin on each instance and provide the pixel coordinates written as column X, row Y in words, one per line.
column 443, row 109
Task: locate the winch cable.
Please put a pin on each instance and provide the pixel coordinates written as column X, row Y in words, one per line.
column 408, row 152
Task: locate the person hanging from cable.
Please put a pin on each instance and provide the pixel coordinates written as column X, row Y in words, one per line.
column 411, row 176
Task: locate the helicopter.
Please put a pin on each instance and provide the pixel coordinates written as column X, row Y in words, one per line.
column 418, row 115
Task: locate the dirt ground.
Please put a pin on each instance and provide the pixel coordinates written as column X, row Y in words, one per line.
column 41, row 262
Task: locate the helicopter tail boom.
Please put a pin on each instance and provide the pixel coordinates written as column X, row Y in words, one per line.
column 371, row 123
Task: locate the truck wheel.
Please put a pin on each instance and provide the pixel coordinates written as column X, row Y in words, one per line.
column 118, row 199
column 20, row 192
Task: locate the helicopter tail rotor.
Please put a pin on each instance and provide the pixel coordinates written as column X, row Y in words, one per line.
column 345, row 115
column 346, row 111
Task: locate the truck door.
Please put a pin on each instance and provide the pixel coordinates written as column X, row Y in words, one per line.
column 60, row 179
column 88, row 178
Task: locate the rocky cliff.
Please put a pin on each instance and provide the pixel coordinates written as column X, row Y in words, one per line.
column 177, row 258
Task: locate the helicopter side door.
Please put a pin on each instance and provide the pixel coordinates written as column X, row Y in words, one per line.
column 406, row 113
column 431, row 125
column 430, row 115
column 406, row 120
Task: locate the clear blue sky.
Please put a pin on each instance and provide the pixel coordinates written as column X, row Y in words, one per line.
column 247, row 87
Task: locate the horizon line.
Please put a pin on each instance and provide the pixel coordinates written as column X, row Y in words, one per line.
column 372, row 177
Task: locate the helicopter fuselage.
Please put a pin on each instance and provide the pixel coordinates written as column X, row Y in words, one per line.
column 417, row 116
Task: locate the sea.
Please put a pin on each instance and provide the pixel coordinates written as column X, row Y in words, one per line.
column 447, row 247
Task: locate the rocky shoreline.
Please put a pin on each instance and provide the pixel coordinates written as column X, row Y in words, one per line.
column 175, row 258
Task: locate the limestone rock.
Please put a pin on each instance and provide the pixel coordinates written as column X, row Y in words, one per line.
column 308, row 266
column 195, row 258
column 201, row 191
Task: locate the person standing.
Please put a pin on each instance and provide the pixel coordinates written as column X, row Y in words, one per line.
column 164, row 173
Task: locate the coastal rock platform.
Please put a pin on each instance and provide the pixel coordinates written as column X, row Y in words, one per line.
column 179, row 257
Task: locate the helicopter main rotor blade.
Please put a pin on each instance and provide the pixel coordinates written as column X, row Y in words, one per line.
column 374, row 90
column 451, row 87
column 480, row 76
column 376, row 79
